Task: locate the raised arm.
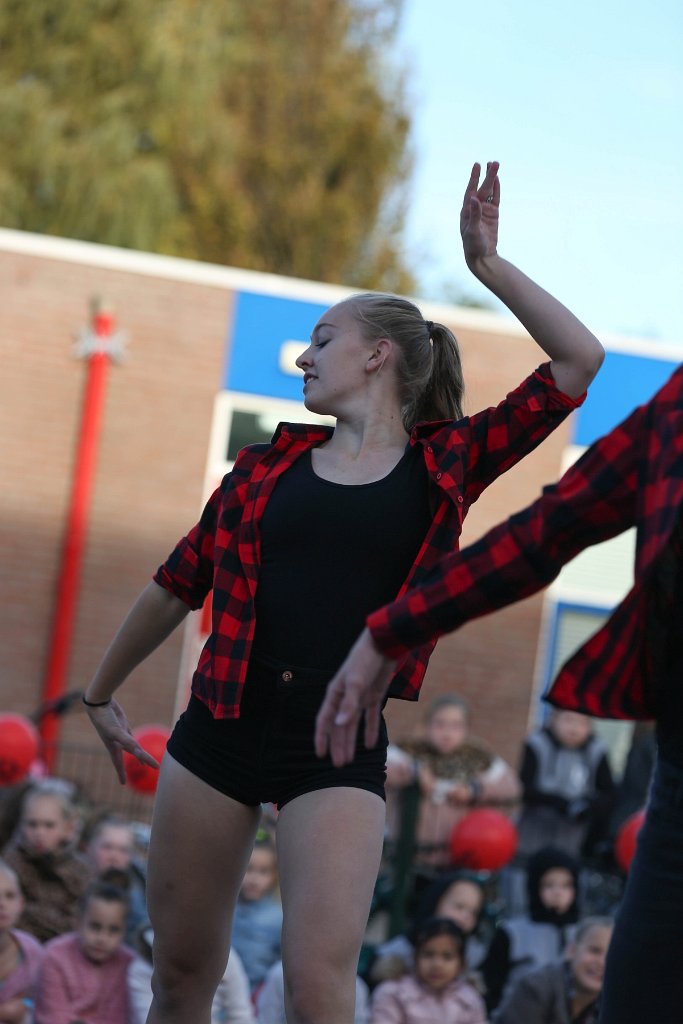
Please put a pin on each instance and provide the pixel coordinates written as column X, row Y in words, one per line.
column 576, row 354
column 153, row 617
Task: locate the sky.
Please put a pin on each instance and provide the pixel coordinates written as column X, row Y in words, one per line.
column 582, row 104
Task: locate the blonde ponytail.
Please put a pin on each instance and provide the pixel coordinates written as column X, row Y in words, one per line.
column 429, row 368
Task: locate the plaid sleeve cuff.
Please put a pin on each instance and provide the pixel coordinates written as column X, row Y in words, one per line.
column 557, row 397
column 179, row 575
column 385, row 637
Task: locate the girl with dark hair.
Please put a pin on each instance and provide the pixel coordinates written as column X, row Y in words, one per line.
column 84, row 973
column 436, row 988
column 298, row 544
column 460, row 897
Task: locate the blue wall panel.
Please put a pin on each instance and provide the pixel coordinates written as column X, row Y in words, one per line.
column 624, row 382
column 262, row 324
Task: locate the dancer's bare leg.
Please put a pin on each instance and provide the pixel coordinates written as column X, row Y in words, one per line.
column 329, row 849
column 199, row 849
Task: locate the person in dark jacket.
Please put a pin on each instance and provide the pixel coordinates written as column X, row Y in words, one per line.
column 566, row 990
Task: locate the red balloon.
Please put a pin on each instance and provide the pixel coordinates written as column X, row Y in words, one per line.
column 484, row 840
column 625, row 841
column 18, row 747
column 143, row 777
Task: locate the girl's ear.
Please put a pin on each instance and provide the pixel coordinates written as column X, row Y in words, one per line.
column 381, row 351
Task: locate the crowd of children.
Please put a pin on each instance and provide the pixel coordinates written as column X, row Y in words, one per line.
column 76, row 944
column 531, row 940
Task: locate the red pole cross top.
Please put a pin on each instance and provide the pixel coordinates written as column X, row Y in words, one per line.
column 98, row 344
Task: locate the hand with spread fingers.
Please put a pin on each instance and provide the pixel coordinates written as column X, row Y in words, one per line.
column 358, row 687
column 113, row 729
column 479, row 215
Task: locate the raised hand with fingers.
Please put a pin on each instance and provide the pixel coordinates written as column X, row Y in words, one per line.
column 479, row 215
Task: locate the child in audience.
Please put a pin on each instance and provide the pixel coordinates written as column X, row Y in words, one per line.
column 84, row 973
column 231, row 1004
column 20, row 954
column 454, row 772
column 533, row 939
column 458, row 896
column 257, row 926
column 565, row 991
column 52, row 874
column 111, row 850
column 436, row 989
column 568, row 787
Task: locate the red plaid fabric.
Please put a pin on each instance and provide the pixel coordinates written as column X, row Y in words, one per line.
column 222, row 552
column 631, row 477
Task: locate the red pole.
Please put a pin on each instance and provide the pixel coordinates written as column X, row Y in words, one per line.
column 97, row 350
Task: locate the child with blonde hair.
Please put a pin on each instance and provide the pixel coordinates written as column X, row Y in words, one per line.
column 51, row 872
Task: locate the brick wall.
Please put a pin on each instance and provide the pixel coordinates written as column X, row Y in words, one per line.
column 150, row 466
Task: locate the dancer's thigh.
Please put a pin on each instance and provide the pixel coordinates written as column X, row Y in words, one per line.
column 329, row 849
column 200, row 845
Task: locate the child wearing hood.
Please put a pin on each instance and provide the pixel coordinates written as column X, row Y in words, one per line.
column 534, row 939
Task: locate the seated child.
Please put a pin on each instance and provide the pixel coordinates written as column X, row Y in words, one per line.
column 565, row 991
column 530, row 940
column 110, row 850
column 257, row 925
column 52, row 874
column 436, row 989
column 83, row 976
column 454, row 772
column 20, row 954
column 460, row 897
column 231, row 1004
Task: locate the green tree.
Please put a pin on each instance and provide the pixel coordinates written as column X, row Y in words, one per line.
column 269, row 135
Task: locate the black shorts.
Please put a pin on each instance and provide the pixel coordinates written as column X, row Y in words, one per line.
column 267, row 754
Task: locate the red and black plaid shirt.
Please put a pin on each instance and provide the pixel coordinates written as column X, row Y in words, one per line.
column 222, row 552
column 631, row 477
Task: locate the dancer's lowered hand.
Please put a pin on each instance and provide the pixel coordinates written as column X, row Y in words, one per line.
column 112, row 726
column 358, row 687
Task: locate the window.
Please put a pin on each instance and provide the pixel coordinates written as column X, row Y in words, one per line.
column 240, row 419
